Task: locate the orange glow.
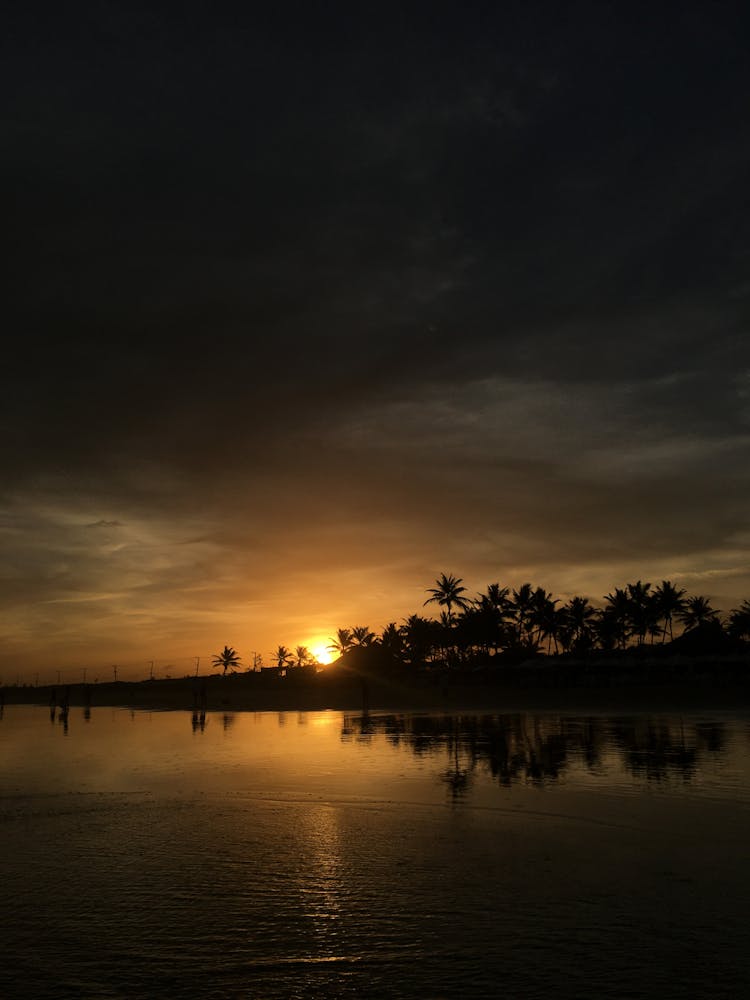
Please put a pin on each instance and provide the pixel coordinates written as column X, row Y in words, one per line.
column 319, row 649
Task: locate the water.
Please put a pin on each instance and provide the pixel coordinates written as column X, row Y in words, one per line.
column 323, row 855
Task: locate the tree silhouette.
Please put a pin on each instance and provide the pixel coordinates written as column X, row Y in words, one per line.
column 448, row 592
column 641, row 609
column 391, row 638
column 302, row 655
column 446, row 630
column 616, row 618
column 669, row 602
column 578, row 618
column 521, row 607
column 420, row 636
column 283, row 657
column 342, row 643
column 697, row 611
column 496, row 596
column 544, row 621
column 739, row 621
column 491, row 610
column 228, row 657
column 362, row 636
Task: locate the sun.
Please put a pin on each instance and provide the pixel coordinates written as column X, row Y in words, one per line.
column 320, row 651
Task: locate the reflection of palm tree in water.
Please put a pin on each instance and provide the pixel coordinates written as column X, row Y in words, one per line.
column 539, row 748
column 455, row 777
column 366, row 724
column 652, row 750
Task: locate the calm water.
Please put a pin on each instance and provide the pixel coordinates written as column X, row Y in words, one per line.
column 323, row 855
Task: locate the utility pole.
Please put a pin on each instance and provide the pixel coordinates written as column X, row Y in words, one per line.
column 151, row 670
column 197, row 664
column 114, row 670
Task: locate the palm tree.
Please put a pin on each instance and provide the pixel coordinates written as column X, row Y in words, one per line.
column 420, row 638
column 228, row 657
column 522, row 604
column 697, row 611
column 616, row 618
column 543, row 618
column 446, row 629
column 610, row 629
column 283, row 657
column 579, row 619
column 739, row 621
column 362, row 636
column 343, row 641
column 496, row 596
column 448, row 592
column 391, row 638
column 491, row 611
column 668, row 603
column 642, row 610
column 302, row 655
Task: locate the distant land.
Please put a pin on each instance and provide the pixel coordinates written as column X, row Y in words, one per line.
column 364, row 680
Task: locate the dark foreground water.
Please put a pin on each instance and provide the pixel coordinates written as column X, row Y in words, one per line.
column 326, row 855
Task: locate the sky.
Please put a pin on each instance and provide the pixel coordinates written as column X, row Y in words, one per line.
column 311, row 304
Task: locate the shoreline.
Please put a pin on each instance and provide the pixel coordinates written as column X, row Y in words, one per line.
column 717, row 691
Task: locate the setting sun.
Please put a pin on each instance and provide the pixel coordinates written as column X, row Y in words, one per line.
column 321, row 652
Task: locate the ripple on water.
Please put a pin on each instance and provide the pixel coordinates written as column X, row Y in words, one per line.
column 565, row 867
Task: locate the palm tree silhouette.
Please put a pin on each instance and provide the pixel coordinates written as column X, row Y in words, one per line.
column 616, row 618
column 362, row 636
column 282, row 656
column 420, row 637
column 579, row 617
column 492, row 609
column 496, row 596
column 448, row 592
column 739, row 621
column 522, row 605
column 543, row 618
column 697, row 611
column 668, row 603
column 343, row 641
column 302, row 655
column 228, row 657
column 642, row 611
column 391, row 638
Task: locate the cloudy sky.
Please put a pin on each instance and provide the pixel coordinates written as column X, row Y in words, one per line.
column 307, row 307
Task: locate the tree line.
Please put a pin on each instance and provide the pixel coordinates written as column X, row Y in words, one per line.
column 514, row 624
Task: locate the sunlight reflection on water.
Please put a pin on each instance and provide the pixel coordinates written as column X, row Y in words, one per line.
column 408, row 855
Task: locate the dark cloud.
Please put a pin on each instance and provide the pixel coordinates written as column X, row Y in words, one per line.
column 471, row 288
